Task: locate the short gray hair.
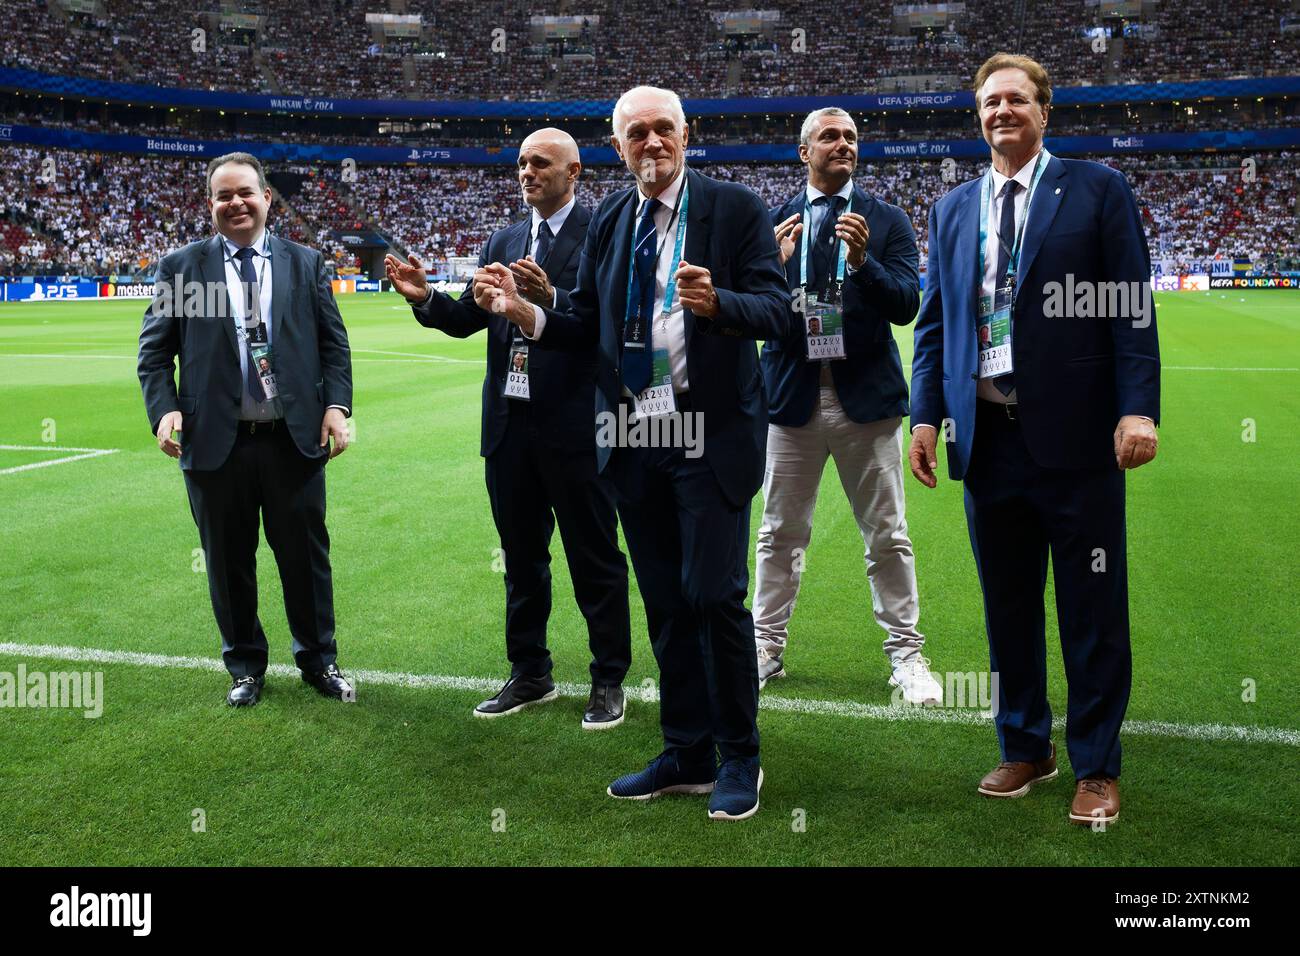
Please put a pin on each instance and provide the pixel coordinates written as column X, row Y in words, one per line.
column 244, row 159
column 674, row 103
column 810, row 121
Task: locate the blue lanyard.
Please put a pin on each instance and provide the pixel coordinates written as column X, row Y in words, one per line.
column 682, row 204
column 803, row 253
column 985, row 190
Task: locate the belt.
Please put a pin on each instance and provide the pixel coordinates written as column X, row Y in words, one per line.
column 1010, row 410
column 250, row 428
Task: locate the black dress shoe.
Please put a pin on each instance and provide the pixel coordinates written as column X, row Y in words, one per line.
column 518, row 693
column 604, row 707
column 331, row 683
column 245, row 691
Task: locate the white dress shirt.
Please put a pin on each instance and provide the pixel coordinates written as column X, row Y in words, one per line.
column 985, row 388
column 666, row 330
column 819, row 213
column 249, row 408
column 556, row 222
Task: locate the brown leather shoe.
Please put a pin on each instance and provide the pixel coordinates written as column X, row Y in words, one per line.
column 1013, row 778
column 1096, row 800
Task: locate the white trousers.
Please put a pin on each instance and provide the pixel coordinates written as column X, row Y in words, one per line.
column 869, row 459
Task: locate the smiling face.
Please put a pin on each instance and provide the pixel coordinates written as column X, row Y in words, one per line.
column 547, row 167
column 831, row 152
column 653, row 141
column 238, row 206
column 1011, row 117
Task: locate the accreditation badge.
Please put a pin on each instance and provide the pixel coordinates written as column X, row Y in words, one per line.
column 824, row 327
column 265, row 367
column 995, row 334
column 517, row 373
column 657, row 397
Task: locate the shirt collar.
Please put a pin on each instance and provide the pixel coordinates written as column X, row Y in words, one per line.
column 556, row 219
column 668, row 197
column 261, row 245
column 846, row 192
column 1024, row 176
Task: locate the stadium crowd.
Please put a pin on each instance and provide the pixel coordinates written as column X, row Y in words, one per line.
column 488, row 49
column 108, row 213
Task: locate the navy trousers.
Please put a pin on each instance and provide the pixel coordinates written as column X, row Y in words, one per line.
column 1017, row 513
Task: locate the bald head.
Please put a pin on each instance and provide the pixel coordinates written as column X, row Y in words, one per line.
column 548, row 168
column 557, row 142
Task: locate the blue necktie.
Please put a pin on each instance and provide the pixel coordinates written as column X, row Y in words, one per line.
column 248, row 279
column 823, row 256
column 543, row 243
column 637, row 362
column 1006, row 239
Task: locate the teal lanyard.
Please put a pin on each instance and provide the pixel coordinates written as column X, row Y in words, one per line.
column 679, row 213
column 985, row 190
column 803, row 252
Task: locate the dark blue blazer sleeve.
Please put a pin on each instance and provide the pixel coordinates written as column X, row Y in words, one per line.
column 892, row 281
column 927, row 355
column 1137, row 351
column 461, row 317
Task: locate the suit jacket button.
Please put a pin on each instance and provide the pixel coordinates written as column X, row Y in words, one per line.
column 974, row 376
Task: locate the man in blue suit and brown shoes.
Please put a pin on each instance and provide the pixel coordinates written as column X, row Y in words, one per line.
column 679, row 277
column 1042, row 403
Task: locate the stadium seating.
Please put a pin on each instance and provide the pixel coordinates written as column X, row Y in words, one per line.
column 108, row 213
column 633, row 41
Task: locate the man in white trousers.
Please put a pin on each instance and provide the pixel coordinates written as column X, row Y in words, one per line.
column 835, row 388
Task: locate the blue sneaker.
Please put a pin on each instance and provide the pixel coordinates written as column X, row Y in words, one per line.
column 736, row 795
column 664, row 774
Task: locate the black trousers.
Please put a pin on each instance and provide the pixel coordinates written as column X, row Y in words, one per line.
column 532, row 488
column 690, row 549
column 267, row 477
column 1017, row 512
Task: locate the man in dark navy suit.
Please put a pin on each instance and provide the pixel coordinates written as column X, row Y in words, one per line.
column 1042, row 403
column 836, row 389
column 265, row 390
column 538, row 441
column 675, row 331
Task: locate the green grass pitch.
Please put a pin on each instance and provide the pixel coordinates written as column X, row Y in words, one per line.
column 98, row 553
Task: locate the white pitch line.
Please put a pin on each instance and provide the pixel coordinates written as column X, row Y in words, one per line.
column 1220, row 368
column 792, row 705
column 409, row 357
column 422, row 355
column 51, row 355
column 87, row 453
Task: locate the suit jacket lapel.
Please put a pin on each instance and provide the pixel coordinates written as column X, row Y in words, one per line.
column 570, row 233
column 521, row 245
column 695, row 251
column 214, row 272
column 281, row 276
column 618, row 273
column 1042, row 210
column 970, row 264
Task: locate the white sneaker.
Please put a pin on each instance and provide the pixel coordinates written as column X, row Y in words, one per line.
column 769, row 666
column 919, row 686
